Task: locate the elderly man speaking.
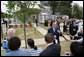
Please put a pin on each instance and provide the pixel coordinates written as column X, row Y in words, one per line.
column 55, row 30
column 10, row 33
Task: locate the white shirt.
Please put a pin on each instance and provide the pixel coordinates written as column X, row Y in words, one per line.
column 80, row 40
column 49, row 44
column 54, row 29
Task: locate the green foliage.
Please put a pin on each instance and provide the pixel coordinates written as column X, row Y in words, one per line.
column 62, row 7
column 31, row 11
column 65, row 7
column 5, row 15
column 34, row 11
column 77, row 11
column 52, row 4
column 11, row 6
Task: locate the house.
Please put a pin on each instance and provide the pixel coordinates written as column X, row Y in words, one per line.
column 46, row 14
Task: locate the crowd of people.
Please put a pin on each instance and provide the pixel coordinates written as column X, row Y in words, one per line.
column 12, row 43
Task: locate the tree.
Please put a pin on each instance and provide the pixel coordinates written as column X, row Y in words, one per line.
column 77, row 11
column 5, row 15
column 81, row 12
column 30, row 11
column 23, row 13
column 65, row 7
column 52, row 4
column 62, row 7
column 2, row 15
column 11, row 7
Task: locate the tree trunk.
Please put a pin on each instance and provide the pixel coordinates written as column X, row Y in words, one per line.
column 1, row 31
column 6, row 26
column 25, row 36
column 24, row 29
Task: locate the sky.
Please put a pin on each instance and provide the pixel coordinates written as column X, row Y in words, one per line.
column 3, row 7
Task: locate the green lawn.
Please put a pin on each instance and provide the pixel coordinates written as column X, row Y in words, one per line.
column 30, row 33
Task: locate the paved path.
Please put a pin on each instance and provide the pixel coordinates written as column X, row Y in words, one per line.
column 40, row 29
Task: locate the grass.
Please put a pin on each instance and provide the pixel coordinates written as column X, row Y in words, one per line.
column 65, row 47
column 2, row 52
column 46, row 28
column 30, row 33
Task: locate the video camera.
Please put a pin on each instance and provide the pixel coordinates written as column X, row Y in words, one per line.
column 76, row 37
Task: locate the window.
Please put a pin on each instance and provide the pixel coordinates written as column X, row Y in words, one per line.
column 44, row 17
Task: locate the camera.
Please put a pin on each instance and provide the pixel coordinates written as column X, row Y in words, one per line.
column 67, row 54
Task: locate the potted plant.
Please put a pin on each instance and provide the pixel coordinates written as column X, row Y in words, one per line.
column 30, row 24
column 10, row 26
column 25, row 25
column 21, row 26
column 15, row 26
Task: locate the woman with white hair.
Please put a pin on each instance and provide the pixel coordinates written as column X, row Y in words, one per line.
column 10, row 33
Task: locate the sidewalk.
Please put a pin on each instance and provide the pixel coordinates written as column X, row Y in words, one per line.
column 40, row 29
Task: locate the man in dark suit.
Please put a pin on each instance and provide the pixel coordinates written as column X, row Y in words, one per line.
column 55, row 30
column 36, row 21
column 46, row 23
column 52, row 49
column 51, row 23
column 73, row 29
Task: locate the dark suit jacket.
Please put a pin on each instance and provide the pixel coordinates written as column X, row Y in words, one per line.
column 36, row 20
column 52, row 50
column 55, row 33
column 51, row 23
column 65, row 27
column 71, row 27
